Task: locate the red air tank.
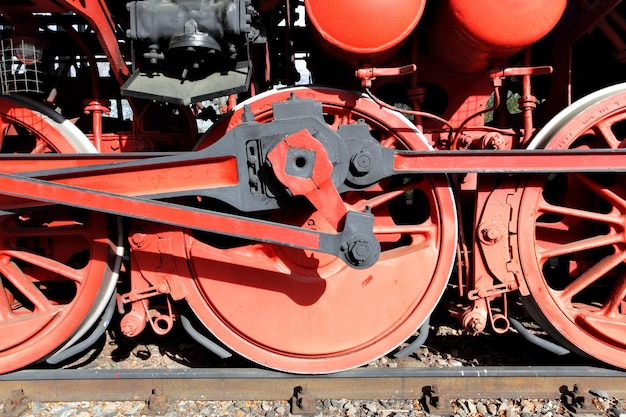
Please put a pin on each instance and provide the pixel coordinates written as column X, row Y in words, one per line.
column 465, row 34
column 365, row 31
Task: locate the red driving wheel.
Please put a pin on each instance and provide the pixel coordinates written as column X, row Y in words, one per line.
column 572, row 234
column 307, row 312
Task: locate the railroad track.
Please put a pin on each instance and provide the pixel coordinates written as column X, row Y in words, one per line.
column 435, row 388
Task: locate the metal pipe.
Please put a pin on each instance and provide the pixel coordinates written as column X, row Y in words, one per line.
column 203, row 340
column 98, row 331
column 536, row 340
column 419, row 341
column 528, row 102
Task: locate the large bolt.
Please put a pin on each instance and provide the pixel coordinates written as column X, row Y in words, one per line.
column 465, row 141
column 157, row 402
column 360, row 252
column 138, row 239
column 494, row 141
column 490, row 233
column 475, row 326
column 15, row 404
column 362, row 162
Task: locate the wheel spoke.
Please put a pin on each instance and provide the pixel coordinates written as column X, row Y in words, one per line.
column 25, row 286
column 47, row 264
column 592, row 275
column 579, row 245
column 602, row 191
column 388, row 142
column 615, row 300
column 339, row 120
column 5, row 307
column 604, row 130
column 381, row 199
column 545, row 207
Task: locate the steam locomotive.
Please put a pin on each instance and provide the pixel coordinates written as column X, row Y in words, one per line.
column 300, row 182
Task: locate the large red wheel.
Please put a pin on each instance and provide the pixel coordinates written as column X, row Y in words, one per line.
column 306, row 312
column 57, row 265
column 572, row 234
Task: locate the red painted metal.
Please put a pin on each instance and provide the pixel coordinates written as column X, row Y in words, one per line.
column 20, row 163
column 510, row 161
column 276, row 290
column 48, row 137
column 466, row 34
column 97, row 108
column 367, row 74
column 162, row 178
column 173, row 214
column 162, row 173
column 571, row 240
column 318, row 188
column 363, row 30
column 157, row 269
column 47, row 286
column 307, row 312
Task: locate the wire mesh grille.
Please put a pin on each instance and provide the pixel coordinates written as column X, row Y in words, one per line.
column 19, row 68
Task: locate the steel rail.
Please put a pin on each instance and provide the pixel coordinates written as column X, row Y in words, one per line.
column 433, row 386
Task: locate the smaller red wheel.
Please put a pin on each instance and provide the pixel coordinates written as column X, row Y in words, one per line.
column 307, row 312
column 58, row 266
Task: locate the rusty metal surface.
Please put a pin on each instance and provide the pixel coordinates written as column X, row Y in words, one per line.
column 247, row 384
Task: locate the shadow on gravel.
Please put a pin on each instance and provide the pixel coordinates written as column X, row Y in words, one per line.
column 447, row 345
column 448, row 342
